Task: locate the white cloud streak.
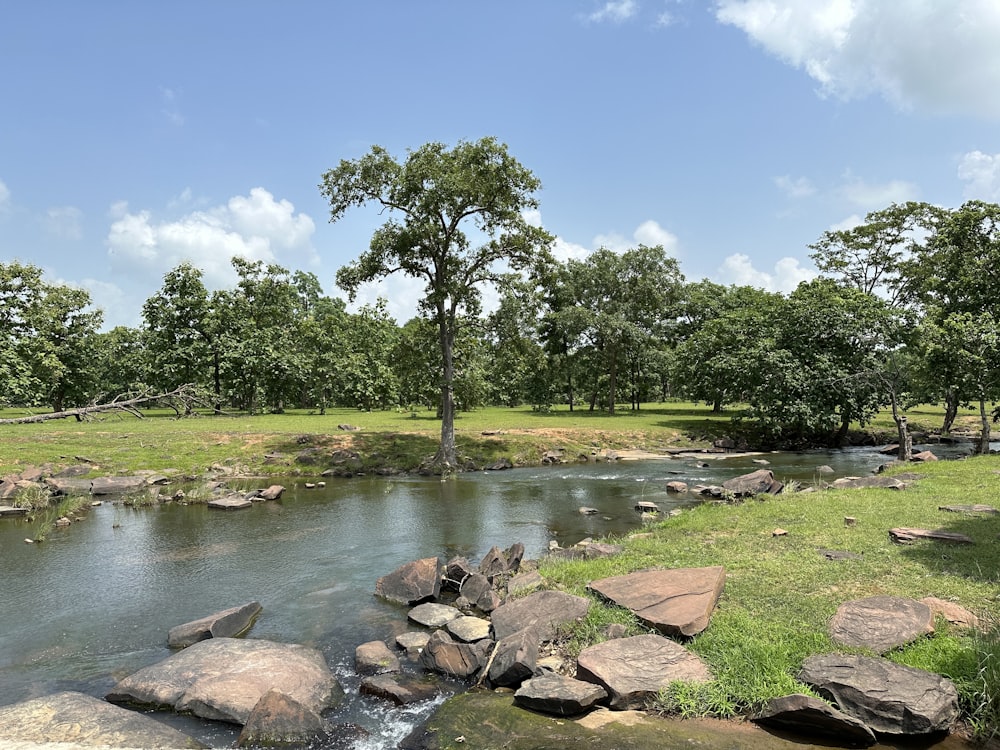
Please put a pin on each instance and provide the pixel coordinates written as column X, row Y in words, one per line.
column 788, row 273
column 615, row 11
column 981, row 174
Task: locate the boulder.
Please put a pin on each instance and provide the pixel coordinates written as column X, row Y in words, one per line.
column 398, row 689
column 810, row 717
column 433, row 615
column 412, row 583
column 374, row 657
column 758, row 482
column 229, row 623
column 469, row 629
column 444, row 654
column 559, row 695
column 635, row 669
column 543, row 610
column 880, row 623
column 677, row 487
column 479, row 591
column 233, row 502
column 514, row 554
column 645, row 506
column 600, row 549
column 525, row 582
column 889, row 698
column 10, row 510
column 923, row 456
column 954, row 613
column 271, row 493
column 677, row 602
column 456, row 571
column 223, row 678
column 68, row 486
column 585, row 510
column 84, row 720
column 116, row 485
column 494, row 563
column 412, row 641
column 515, row 659
column 279, row 719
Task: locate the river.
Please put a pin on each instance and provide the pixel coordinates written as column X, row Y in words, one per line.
column 94, row 601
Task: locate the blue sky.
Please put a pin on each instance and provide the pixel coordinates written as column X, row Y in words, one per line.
column 136, row 135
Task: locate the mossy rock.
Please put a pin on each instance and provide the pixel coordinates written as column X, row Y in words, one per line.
column 482, row 719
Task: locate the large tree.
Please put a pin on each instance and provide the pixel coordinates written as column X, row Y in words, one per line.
column 456, row 221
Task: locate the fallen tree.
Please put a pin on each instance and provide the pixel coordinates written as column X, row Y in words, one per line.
column 187, row 395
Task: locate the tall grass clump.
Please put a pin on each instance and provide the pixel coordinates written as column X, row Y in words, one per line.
column 984, row 711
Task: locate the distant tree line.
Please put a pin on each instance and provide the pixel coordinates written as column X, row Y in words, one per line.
column 904, row 312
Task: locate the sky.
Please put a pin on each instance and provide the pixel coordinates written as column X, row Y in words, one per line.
column 135, row 136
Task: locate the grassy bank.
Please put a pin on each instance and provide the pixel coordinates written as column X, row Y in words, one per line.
column 781, row 591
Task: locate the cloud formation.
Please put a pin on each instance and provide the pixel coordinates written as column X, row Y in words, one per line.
column 981, row 174
column 936, row 57
column 615, row 11
column 787, row 274
column 255, row 226
column 64, row 222
column 795, row 187
column 4, row 197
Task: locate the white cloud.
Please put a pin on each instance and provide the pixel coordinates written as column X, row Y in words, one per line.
column 787, row 274
column 939, row 57
column 564, row 250
column 981, row 173
column 4, row 197
column 64, row 222
column 256, row 227
column 795, row 187
column 648, row 233
column 854, row 220
column 169, row 99
column 615, row 11
column 873, row 196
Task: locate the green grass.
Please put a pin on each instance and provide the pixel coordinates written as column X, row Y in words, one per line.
column 780, row 592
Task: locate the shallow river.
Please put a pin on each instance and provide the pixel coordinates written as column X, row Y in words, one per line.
column 93, row 603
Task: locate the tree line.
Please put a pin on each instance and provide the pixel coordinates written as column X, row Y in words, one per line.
column 902, row 313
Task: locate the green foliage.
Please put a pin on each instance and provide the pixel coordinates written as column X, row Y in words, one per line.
column 984, row 693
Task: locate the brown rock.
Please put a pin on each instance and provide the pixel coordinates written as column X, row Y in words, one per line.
column 479, row 591
column 412, row 583
column 279, row 719
column 676, row 602
column 906, row 535
column 494, row 563
column 755, row 483
column 954, row 613
column 229, row 623
column 398, row 689
column 880, row 623
column 559, row 695
column 271, row 493
column 443, row 654
column 677, row 486
column 374, row 657
column 808, row 716
column 543, row 610
column 515, row 659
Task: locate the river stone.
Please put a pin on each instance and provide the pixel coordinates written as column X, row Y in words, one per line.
column 68, row 485
column 433, row 615
column 515, row 659
column 525, row 582
column 412, row 583
column 469, row 629
column 635, row 669
column 543, row 610
column 456, row 571
column 223, row 678
column 444, row 654
column 808, row 716
column 479, row 591
column 278, row 719
column 229, row 623
column 399, row 689
column 116, row 485
column 271, row 493
column 880, row 623
column 494, row 563
column 233, row 502
column 758, row 482
column 889, row 698
column 374, row 657
column 677, row 602
column 85, row 721
column 858, row 483
column 559, row 695
column 677, row 486
column 514, row 554
column 412, row 641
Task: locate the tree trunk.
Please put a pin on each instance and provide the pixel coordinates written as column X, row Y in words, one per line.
column 950, row 410
column 612, row 385
column 984, row 435
column 217, row 380
column 717, row 406
column 905, row 452
column 845, row 424
column 446, row 458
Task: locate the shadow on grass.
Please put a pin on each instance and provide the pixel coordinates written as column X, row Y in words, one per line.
column 979, row 561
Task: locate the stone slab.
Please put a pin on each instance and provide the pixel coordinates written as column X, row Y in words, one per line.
column 881, row 623
column 543, row 610
column 229, row 623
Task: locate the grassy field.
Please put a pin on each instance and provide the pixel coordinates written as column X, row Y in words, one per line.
column 398, row 439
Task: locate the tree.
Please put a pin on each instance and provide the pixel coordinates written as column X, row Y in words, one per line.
column 440, row 203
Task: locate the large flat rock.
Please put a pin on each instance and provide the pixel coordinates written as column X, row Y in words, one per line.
column 224, row 678
column 889, row 698
column 413, row 582
column 559, row 695
column 811, row 717
column 881, row 623
column 86, row 722
column 229, row 623
column 677, row 602
column 635, row 669
column 544, row 611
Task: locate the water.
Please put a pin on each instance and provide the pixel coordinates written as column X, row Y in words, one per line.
column 93, row 603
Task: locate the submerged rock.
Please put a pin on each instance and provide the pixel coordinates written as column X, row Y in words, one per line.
column 229, row 623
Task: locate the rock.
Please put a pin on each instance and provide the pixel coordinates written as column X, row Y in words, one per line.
column 860, row 483
column 644, row 506
column 271, row 493
column 559, row 695
column 232, row 502
column 956, row 614
column 412, row 583
column 543, row 610
column 443, row 654
column 760, row 461
column 374, row 657
column 973, row 508
column 808, row 716
column 923, row 456
column 779, row 532
column 433, row 615
column 514, row 554
column 600, row 549
column 479, row 591
column 229, row 623
column 500, row 465
column 836, row 554
column 905, row 535
column 515, row 659
column 677, row 602
column 889, row 698
column 116, row 485
column 824, row 469
column 586, row 511
column 880, row 623
column 525, row 582
column 677, row 487
column 8, row 510
column 758, row 482
column 62, row 521
column 68, row 486
column 469, row 629
column 84, row 720
column 494, row 563
column 398, row 689
column 552, row 457
column 635, row 669
column 279, row 719
column 223, row 678
column 455, row 572
column 348, row 427
column 412, row 641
